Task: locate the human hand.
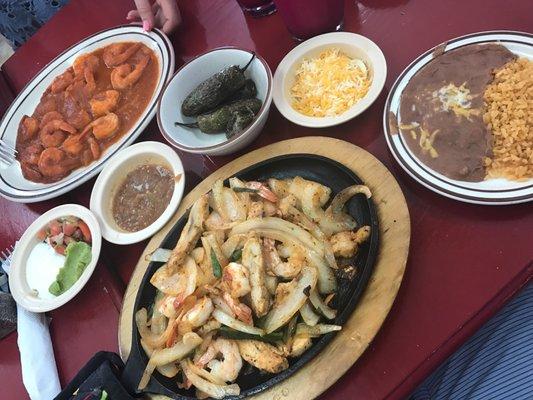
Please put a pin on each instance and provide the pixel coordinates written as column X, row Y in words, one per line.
column 162, row 14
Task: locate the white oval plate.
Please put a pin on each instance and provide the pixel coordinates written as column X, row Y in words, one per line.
column 491, row 191
column 20, row 290
column 13, row 185
column 112, row 175
column 353, row 45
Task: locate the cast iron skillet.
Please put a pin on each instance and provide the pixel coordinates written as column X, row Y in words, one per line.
column 312, row 167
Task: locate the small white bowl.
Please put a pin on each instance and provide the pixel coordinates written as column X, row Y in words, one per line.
column 353, row 45
column 115, row 172
column 191, row 75
column 18, row 283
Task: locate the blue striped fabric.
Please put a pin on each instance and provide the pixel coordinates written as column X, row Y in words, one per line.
column 496, row 363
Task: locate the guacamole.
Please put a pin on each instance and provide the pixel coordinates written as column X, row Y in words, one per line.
column 78, row 256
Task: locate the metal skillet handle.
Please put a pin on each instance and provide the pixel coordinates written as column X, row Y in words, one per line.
column 133, row 371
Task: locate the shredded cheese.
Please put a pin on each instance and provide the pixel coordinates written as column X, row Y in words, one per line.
column 426, row 142
column 329, row 84
column 456, row 99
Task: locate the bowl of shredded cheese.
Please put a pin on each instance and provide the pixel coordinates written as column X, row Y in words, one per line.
column 329, row 79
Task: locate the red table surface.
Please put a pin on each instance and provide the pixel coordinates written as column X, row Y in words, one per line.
column 465, row 260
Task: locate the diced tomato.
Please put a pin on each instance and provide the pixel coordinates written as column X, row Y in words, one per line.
column 85, row 231
column 60, row 249
column 69, row 228
column 42, row 234
column 55, row 228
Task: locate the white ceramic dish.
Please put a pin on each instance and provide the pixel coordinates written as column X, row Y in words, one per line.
column 353, row 45
column 191, row 75
column 20, row 289
column 13, row 185
column 112, row 176
column 491, row 191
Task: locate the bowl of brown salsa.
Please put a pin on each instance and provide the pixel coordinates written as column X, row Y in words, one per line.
column 138, row 192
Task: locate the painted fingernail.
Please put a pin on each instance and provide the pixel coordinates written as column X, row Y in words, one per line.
column 146, row 26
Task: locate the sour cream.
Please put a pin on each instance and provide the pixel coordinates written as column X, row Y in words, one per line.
column 42, row 267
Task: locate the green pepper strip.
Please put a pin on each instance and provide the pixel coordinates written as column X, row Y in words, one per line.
column 236, row 255
column 230, row 333
column 217, row 268
column 245, row 189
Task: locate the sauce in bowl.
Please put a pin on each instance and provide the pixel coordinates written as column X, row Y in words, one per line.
column 142, row 197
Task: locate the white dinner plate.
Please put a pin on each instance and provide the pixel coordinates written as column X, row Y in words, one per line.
column 13, row 185
column 490, row 191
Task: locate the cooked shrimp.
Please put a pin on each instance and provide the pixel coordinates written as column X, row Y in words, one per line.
column 94, row 147
column 287, row 270
column 220, row 303
column 236, row 278
column 346, row 244
column 90, row 82
column 228, row 368
column 119, row 53
column 190, row 233
column 103, row 127
column 49, row 117
column 27, row 129
column 167, row 307
column 84, row 67
column 84, row 62
column 104, row 102
column 252, row 258
column 263, row 356
column 241, row 310
column 74, row 144
column 62, row 81
column 216, row 223
column 54, row 133
column 126, row 75
column 53, row 163
column 199, row 314
column 263, row 191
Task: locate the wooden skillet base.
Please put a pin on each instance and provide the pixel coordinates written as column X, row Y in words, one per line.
column 375, row 303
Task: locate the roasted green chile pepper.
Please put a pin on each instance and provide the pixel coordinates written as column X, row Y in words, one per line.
column 217, row 121
column 248, row 91
column 239, row 121
column 214, row 90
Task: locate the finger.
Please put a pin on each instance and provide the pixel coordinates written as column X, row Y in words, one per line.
column 172, row 14
column 145, row 12
column 133, row 15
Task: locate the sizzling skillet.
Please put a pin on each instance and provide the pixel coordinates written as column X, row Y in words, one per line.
column 312, row 167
